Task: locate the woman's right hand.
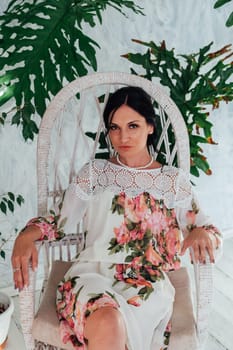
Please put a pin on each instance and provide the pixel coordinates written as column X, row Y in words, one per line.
column 24, row 253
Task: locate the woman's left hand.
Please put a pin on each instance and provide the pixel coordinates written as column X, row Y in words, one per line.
column 201, row 241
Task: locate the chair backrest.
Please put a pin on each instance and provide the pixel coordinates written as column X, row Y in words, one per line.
column 72, row 126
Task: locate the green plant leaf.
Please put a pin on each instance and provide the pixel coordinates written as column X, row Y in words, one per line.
column 3, row 207
column 10, row 206
column 220, row 3
column 194, row 84
column 20, row 199
column 11, row 196
column 7, row 203
column 3, row 254
column 229, row 21
column 43, row 46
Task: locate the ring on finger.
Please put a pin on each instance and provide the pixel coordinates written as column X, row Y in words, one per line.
column 16, row 269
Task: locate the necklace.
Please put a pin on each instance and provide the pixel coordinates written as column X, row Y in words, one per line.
column 139, row 167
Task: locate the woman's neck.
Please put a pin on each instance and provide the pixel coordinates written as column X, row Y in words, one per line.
column 145, row 163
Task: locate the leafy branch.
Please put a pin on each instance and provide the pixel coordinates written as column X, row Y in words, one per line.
column 195, row 81
column 7, row 204
column 3, row 241
column 8, row 201
column 44, row 46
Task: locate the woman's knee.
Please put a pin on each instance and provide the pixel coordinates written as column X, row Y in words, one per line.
column 106, row 320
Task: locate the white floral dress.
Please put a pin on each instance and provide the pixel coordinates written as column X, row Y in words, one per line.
column 132, row 221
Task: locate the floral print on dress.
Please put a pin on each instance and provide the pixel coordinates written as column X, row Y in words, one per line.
column 166, row 336
column 191, row 216
column 72, row 313
column 49, row 227
column 150, row 237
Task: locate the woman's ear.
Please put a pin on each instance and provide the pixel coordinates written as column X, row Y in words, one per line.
column 151, row 129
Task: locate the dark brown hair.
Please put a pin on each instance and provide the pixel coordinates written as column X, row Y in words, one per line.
column 137, row 99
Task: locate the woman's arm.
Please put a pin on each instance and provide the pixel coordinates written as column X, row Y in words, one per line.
column 199, row 232
column 203, row 240
column 24, row 251
column 63, row 219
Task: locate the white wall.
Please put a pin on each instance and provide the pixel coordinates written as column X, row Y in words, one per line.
column 185, row 26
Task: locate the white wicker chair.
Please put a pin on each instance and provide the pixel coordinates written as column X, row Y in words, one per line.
column 53, row 176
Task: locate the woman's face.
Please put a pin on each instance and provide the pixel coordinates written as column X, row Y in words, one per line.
column 128, row 132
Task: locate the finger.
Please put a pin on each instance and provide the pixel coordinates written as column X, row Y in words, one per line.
column 184, row 247
column 202, row 252
column 34, row 259
column 25, row 271
column 196, row 252
column 18, row 278
column 16, row 268
column 210, row 252
column 15, row 262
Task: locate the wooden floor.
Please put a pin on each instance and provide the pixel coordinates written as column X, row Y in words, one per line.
column 221, row 320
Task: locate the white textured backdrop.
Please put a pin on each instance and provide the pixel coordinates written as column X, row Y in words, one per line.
column 184, row 25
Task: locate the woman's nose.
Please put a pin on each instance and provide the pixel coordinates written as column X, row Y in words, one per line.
column 124, row 136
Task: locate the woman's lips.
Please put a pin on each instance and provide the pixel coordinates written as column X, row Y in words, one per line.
column 124, row 147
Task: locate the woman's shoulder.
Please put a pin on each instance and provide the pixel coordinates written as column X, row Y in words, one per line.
column 179, row 182
column 92, row 165
column 174, row 171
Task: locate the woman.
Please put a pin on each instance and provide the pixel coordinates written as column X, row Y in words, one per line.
column 117, row 295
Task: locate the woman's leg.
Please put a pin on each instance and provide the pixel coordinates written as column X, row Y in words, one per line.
column 105, row 329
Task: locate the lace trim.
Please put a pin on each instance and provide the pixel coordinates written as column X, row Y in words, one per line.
column 167, row 183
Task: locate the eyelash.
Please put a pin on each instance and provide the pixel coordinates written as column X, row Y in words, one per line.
column 133, row 126
column 115, row 127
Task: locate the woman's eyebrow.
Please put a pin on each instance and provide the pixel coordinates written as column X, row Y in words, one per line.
column 130, row 122
column 134, row 121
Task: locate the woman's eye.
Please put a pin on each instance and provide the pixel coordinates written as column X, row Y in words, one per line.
column 133, row 126
column 113, row 127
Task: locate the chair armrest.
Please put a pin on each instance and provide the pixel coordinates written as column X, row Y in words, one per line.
column 27, row 310
column 27, row 295
column 204, row 298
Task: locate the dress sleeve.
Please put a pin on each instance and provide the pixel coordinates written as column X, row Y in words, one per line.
column 66, row 215
column 188, row 211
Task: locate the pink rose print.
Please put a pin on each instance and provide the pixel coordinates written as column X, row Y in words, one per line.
column 150, row 236
column 135, row 301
